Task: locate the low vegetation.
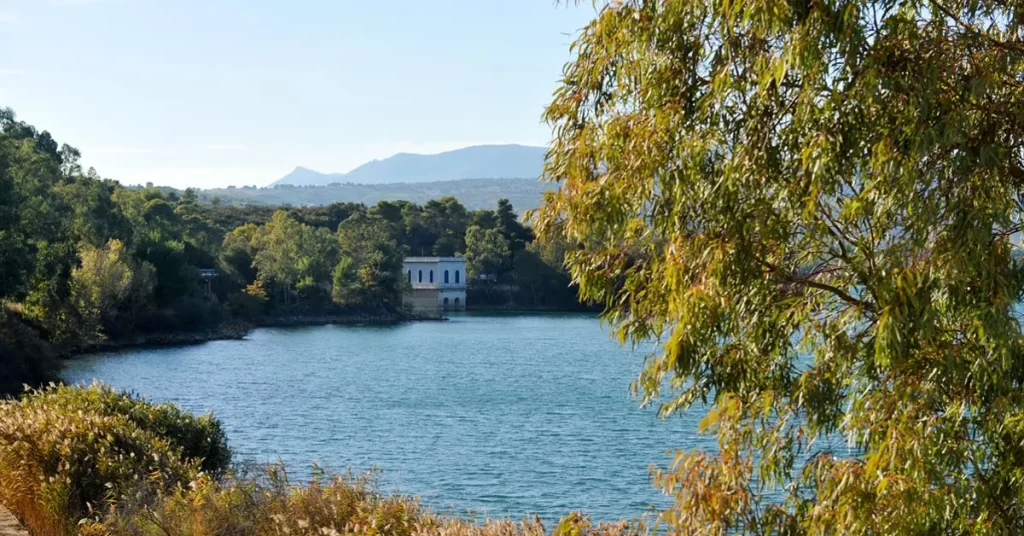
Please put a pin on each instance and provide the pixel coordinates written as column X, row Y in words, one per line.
column 66, row 453
column 267, row 503
column 93, row 461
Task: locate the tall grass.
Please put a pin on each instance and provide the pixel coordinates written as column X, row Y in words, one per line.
column 92, row 461
column 266, row 503
column 67, row 452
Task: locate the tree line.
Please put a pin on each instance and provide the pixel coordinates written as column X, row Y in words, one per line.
column 350, row 255
column 84, row 259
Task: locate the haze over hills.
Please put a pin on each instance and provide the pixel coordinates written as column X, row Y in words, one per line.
column 524, row 194
column 476, row 162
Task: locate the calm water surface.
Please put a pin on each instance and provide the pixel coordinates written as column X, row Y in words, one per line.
column 501, row 415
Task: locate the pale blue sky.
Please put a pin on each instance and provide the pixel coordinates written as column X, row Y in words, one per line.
column 216, row 92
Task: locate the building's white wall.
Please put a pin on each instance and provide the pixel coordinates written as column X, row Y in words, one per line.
column 428, row 295
column 413, row 266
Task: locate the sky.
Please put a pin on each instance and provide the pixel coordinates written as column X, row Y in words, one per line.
column 211, row 93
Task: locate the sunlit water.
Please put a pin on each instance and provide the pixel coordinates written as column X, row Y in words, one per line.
column 500, row 415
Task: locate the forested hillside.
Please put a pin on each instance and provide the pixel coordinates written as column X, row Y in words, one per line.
column 473, row 193
column 85, row 261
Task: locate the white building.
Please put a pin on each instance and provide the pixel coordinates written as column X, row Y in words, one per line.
column 437, row 284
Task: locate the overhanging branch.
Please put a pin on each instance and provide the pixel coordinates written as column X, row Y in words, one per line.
column 790, row 277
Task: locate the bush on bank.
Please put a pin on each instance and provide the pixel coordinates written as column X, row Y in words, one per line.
column 200, row 438
column 93, row 461
column 66, row 452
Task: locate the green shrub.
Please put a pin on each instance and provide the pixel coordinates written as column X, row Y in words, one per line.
column 67, row 451
column 200, row 437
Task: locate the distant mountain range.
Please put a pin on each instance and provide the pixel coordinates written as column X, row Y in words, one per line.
column 476, row 162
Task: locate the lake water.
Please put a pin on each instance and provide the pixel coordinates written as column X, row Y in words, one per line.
column 499, row 415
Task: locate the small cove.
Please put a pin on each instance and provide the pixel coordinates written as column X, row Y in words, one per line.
column 493, row 414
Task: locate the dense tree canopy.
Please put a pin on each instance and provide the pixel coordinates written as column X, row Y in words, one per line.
column 487, row 253
column 109, row 289
column 814, row 207
column 84, row 259
column 370, row 270
column 278, row 250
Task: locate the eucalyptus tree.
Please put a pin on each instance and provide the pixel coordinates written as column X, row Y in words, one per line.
column 277, row 252
column 813, row 207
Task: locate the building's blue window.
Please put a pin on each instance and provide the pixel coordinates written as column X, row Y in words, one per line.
column 410, row 276
column 456, row 276
column 446, row 276
column 421, row 276
column 431, row 276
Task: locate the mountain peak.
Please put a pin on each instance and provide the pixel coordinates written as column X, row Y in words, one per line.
column 473, row 162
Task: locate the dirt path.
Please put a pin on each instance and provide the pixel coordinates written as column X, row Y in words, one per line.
column 10, row 526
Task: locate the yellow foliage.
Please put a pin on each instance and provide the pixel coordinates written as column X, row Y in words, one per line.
column 330, row 505
column 256, row 290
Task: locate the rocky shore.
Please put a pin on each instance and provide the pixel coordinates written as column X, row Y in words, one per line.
column 228, row 331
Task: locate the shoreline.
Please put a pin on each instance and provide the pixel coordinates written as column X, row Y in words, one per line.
column 153, row 340
column 285, row 321
column 522, row 309
column 237, row 330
